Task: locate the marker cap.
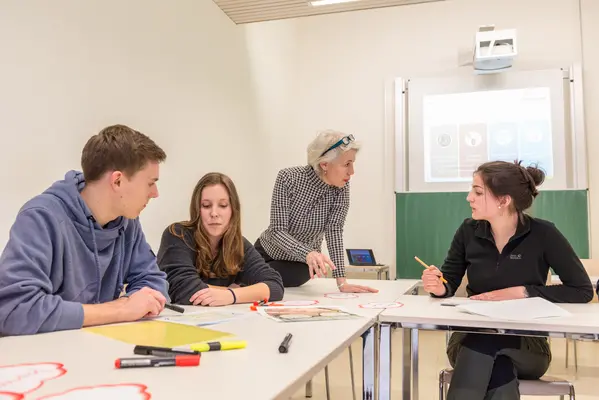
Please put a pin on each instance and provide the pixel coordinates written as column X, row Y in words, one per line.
column 187, row 361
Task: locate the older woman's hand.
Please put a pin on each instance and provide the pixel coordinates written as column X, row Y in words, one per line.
column 317, row 264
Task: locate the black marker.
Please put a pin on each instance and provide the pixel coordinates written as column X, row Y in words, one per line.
column 161, row 351
column 174, row 307
column 176, row 361
column 284, row 346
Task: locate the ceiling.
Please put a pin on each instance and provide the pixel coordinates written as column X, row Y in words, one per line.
column 248, row 11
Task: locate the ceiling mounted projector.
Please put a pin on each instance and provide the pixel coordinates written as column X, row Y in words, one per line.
column 494, row 50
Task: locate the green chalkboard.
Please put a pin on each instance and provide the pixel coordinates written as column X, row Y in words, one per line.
column 426, row 223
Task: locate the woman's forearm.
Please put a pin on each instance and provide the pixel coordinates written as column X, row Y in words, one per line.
column 248, row 294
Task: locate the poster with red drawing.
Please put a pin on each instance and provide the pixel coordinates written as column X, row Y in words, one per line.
column 25, row 378
column 123, row 391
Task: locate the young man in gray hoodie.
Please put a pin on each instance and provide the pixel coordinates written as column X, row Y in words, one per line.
column 73, row 248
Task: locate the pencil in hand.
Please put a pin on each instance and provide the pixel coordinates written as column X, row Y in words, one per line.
column 426, row 266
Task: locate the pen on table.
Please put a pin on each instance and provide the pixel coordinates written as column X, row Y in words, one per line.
column 284, row 346
column 162, row 351
column 426, row 266
column 216, row 346
column 176, row 361
column 174, row 307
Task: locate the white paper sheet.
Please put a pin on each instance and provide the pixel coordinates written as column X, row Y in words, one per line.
column 202, row 318
column 515, row 310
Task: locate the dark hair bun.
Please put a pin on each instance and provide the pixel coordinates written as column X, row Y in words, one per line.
column 538, row 175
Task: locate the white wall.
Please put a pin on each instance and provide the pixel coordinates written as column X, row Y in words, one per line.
column 246, row 100
column 175, row 72
column 334, row 69
column 590, row 37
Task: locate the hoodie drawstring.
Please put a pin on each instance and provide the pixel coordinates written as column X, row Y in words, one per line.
column 121, row 264
column 91, row 221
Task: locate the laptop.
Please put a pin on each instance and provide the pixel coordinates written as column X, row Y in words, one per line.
column 361, row 257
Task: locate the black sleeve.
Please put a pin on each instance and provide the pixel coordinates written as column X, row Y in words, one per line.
column 576, row 285
column 177, row 258
column 454, row 266
column 256, row 270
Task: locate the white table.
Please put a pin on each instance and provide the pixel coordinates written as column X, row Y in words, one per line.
column 388, row 292
column 425, row 312
column 257, row 372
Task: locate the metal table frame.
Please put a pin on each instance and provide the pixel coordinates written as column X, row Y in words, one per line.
column 410, row 351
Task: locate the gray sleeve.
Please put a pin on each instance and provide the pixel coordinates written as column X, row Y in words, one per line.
column 27, row 303
column 176, row 257
column 256, row 270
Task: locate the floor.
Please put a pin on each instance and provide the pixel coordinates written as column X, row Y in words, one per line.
column 432, row 360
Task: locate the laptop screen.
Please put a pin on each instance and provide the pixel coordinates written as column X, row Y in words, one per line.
column 360, row 257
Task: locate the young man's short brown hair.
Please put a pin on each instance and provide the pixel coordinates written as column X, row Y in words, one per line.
column 118, row 148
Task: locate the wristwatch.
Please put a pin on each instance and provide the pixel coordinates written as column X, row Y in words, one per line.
column 525, row 292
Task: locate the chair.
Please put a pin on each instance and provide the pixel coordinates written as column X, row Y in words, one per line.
column 546, row 386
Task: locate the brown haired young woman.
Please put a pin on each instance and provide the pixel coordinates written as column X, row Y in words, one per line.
column 507, row 255
column 207, row 260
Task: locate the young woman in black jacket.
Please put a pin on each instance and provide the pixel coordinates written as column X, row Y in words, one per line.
column 506, row 255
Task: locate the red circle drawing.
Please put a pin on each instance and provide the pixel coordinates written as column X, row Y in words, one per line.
column 391, row 304
column 140, row 392
column 26, row 378
column 11, row 396
column 341, row 296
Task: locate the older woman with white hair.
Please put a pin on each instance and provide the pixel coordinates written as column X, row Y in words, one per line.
column 309, row 203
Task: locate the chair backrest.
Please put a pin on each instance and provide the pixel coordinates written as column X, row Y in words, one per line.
column 591, row 266
column 461, row 291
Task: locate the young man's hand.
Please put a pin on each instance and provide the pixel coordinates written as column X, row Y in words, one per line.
column 144, row 302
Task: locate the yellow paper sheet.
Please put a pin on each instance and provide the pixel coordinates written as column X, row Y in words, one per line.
column 157, row 333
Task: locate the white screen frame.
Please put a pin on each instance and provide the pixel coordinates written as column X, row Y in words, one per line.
column 569, row 144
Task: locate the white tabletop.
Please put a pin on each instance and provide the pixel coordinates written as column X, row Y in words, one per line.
column 319, row 289
column 256, row 372
column 425, row 312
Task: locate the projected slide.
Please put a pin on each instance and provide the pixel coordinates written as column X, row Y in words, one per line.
column 463, row 130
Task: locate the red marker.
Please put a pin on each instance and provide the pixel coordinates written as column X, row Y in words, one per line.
column 259, row 304
column 177, row 361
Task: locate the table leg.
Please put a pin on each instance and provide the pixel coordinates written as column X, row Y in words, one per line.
column 368, row 363
column 414, row 345
column 309, row 389
column 384, row 392
column 406, row 376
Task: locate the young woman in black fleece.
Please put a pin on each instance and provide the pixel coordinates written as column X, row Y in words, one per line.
column 507, row 255
column 207, row 260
